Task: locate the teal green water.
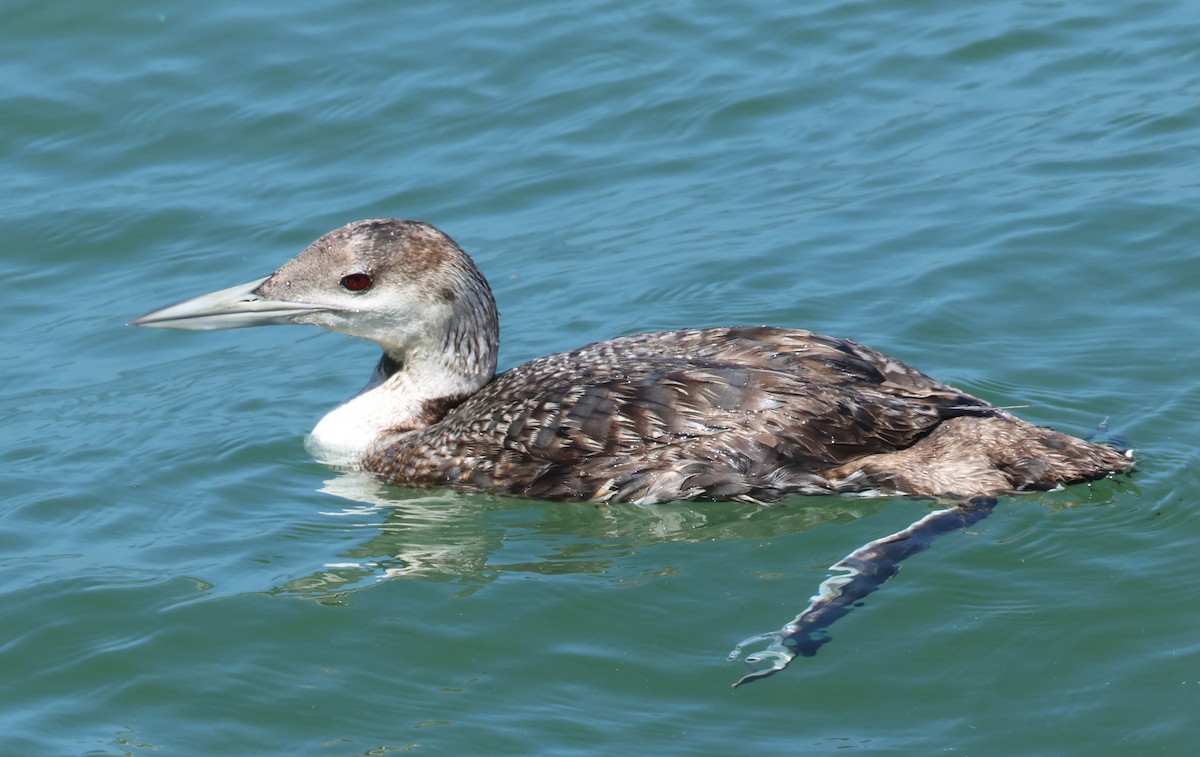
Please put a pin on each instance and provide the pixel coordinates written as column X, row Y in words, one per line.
column 1003, row 194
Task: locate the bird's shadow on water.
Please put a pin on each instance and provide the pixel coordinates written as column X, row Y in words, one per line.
column 473, row 539
column 445, row 536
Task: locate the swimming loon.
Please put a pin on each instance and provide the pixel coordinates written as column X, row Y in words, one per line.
column 744, row 413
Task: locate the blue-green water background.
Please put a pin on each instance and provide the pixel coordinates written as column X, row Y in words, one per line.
column 1004, row 194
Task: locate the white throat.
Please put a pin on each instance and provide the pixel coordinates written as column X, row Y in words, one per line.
column 388, row 405
column 344, row 434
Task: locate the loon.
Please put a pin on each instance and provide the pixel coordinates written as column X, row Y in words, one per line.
column 750, row 414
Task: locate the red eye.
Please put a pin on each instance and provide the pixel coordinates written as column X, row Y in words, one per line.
column 357, row 282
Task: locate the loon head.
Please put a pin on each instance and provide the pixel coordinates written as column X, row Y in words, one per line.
column 404, row 285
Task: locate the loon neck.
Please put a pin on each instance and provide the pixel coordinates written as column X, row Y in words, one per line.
column 403, row 394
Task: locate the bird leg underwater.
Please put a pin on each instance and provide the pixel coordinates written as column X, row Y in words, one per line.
column 858, row 574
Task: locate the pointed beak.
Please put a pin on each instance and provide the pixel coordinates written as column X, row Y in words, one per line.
column 233, row 308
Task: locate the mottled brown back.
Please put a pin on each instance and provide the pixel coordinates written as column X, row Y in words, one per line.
column 742, row 413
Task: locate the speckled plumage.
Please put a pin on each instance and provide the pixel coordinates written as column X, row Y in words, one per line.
column 748, row 413
column 740, row 413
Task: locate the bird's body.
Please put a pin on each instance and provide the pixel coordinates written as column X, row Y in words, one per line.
column 747, row 413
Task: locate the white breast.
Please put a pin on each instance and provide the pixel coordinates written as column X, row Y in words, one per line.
column 343, row 436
